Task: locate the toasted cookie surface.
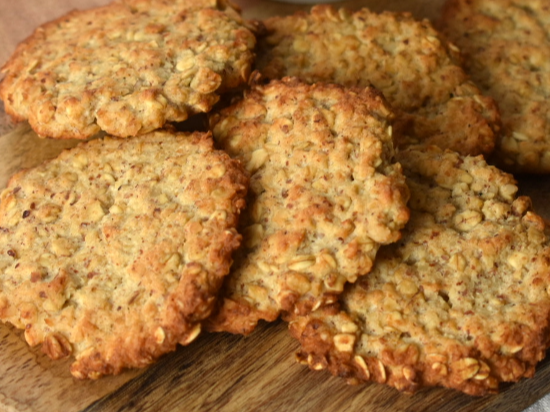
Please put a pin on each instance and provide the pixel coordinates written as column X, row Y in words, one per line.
column 126, row 68
column 114, row 251
column 506, row 44
column 405, row 59
column 324, row 194
column 460, row 301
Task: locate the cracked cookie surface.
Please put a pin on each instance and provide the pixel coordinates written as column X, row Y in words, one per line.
column 506, row 44
column 126, row 68
column 460, row 301
column 407, row 60
column 324, row 194
column 114, row 251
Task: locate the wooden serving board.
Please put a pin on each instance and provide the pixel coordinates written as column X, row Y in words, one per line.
column 217, row 372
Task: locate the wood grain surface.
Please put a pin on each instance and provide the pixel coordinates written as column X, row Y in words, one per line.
column 217, row 372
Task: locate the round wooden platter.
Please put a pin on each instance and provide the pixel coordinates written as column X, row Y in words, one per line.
column 217, row 372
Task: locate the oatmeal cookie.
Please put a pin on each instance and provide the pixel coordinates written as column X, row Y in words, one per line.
column 114, row 251
column 506, row 44
column 127, row 68
column 324, row 194
column 460, row 301
column 407, row 60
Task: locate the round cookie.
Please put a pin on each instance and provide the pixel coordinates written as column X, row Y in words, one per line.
column 324, row 194
column 460, row 301
column 127, row 68
column 114, row 251
column 407, row 60
column 506, row 47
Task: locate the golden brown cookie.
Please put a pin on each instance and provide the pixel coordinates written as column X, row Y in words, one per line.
column 405, row 59
column 127, row 68
column 460, row 301
column 324, row 194
column 114, row 251
column 506, row 44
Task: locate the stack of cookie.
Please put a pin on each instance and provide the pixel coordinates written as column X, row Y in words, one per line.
column 348, row 194
column 114, row 252
column 461, row 299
